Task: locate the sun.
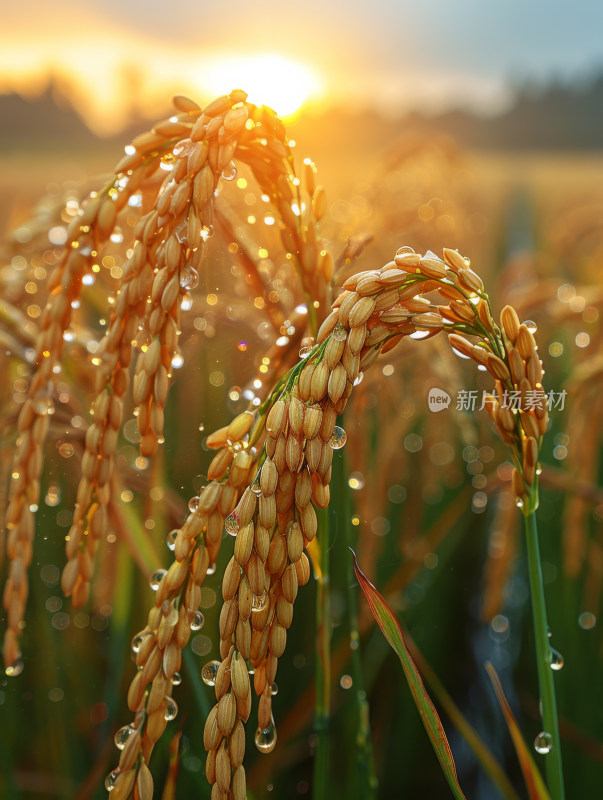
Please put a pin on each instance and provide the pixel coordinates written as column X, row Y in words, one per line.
column 269, row 80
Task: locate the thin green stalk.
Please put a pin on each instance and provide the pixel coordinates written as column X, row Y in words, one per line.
column 365, row 784
column 322, row 711
column 553, row 767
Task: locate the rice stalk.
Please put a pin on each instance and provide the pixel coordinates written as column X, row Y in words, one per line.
column 374, row 311
column 196, row 148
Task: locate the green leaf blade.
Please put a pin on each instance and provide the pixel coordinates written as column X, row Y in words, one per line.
column 532, row 777
column 390, row 627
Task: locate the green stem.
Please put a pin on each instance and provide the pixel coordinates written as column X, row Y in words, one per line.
column 366, row 780
column 322, row 711
column 365, row 764
column 553, row 767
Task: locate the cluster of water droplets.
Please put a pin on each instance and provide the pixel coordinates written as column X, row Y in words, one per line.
column 543, row 743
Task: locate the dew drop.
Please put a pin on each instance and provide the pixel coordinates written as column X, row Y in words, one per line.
column 183, row 148
column 122, row 736
column 187, row 302
column 198, row 621
column 171, row 709
column 117, row 236
column 209, row 672
column 359, row 378
column 256, row 489
column 193, row 504
column 543, row 743
column 111, row 779
column 13, row 670
column 274, row 689
column 170, row 539
column 229, row 173
column 419, row 335
column 459, row 354
column 340, row 333
column 156, row 578
column 176, row 679
column 519, row 502
column 530, row 325
column 557, row 660
column 259, row 601
column 265, row 738
column 232, row 523
column 69, row 335
column 189, row 277
column 211, row 569
column 338, row 438
column 177, row 361
column 305, row 351
column 201, row 426
column 136, row 642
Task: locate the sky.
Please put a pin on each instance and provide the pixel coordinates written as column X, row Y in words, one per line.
column 391, row 55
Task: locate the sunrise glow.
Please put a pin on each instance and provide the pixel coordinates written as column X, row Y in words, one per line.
column 270, row 80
